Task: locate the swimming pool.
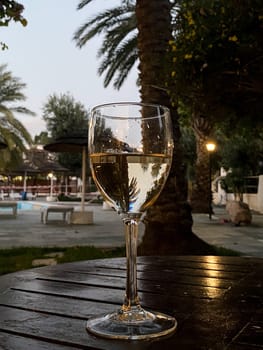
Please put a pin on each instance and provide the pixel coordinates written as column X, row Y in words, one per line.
column 24, row 206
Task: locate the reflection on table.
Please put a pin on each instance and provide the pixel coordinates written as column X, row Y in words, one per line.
column 217, row 301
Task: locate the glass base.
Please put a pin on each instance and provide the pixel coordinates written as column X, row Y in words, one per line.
column 132, row 325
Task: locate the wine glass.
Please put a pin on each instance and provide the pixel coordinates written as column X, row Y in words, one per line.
column 130, row 150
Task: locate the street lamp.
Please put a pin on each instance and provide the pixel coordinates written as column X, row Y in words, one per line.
column 210, row 146
column 51, row 177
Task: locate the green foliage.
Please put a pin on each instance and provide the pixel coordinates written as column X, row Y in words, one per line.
column 119, row 46
column 87, row 253
column 10, row 10
column 210, row 33
column 20, row 258
column 16, row 259
column 216, row 57
column 234, row 182
column 214, row 64
column 242, row 154
column 66, row 117
column 221, row 251
column 42, row 138
column 12, row 130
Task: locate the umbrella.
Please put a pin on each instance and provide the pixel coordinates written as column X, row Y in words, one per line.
column 37, row 164
column 72, row 144
column 26, row 168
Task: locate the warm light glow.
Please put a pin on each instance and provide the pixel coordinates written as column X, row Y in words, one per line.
column 213, row 280
column 210, row 146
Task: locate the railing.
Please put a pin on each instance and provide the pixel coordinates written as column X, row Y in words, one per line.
column 43, row 190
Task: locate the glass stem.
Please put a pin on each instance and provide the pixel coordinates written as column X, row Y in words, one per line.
column 131, row 298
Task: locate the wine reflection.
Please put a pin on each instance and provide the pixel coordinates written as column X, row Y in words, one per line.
column 130, row 182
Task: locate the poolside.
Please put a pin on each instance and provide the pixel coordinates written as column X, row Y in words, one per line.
column 26, row 229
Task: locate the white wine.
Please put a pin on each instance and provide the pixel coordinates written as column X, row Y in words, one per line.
column 130, row 181
column 130, row 147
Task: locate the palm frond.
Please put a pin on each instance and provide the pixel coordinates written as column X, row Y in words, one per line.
column 83, row 3
column 13, row 125
column 101, row 23
column 12, row 130
column 23, row 110
column 119, row 47
column 119, row 63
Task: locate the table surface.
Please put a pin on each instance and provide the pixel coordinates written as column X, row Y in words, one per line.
column 217, row 301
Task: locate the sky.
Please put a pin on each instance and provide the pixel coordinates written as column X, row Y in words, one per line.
column 45, row 58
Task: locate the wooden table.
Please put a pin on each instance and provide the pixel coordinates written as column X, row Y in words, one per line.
column 217, row 301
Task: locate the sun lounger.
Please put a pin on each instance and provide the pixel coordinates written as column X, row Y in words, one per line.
column 11, row 205
column 66, row 212
column 14, row 196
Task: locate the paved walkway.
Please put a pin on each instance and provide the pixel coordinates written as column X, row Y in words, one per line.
column 107, row 231
column 27, row 230
column 222, row 233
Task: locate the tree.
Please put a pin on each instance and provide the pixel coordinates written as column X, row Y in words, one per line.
column 168, row 222
column 241, row 156
column 10, row 10
column 217, row 56
column 205, row 47
column 119, row 47
column 12, row 130
column 66, row 117
column 203, row 56
column 42, row 138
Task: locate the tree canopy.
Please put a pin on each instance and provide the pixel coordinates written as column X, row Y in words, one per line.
column 214, row 65
column 11, row 11
column 66, row 117
column 217, row 55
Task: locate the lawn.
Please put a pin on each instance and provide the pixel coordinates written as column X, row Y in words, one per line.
column 16, row 259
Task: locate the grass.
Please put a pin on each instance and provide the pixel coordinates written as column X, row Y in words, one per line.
column 16, row 259
column 221, row 251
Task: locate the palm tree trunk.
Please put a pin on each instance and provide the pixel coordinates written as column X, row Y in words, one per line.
column 168, row 223
column 201, row 189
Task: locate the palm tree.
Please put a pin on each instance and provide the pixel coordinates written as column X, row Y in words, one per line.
column 119, row 47
column 12, row 131
column 168, row 222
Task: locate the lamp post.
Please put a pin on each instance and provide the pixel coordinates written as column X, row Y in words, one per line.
column 51, row 177
column 210, row 146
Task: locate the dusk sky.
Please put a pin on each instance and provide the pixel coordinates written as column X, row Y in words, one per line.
column 45, row 58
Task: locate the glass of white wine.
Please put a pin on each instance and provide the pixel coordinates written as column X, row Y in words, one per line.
column 130, row 150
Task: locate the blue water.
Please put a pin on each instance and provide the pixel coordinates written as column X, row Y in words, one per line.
column 24, row 206
column 20, row 206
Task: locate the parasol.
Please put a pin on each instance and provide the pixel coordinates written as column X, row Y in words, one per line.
column 37, row 164
column 72, row 144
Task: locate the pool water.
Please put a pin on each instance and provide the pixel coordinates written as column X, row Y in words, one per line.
column 24, row 206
